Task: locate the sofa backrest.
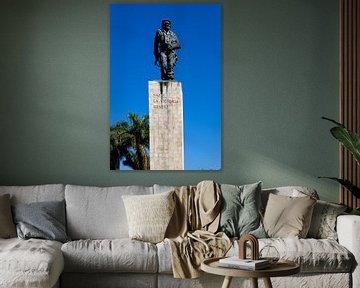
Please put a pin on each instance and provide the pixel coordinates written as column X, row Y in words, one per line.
column 163, row 188
column 35, row 193
column 98, row 212
column 293, row 191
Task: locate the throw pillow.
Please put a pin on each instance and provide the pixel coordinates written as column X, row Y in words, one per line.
column 288, row 217
column 293, row 191
column 149, row 215
column 44, row 220
column 7, row 226
column 240, row 210
column 323, row 222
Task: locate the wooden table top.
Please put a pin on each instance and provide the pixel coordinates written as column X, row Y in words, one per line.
column 281, row 268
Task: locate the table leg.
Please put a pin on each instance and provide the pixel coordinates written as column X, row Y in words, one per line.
column 227, row 282
column 254, row 282
column 267, row 283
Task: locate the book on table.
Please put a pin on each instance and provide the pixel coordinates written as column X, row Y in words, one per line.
column 249, row 264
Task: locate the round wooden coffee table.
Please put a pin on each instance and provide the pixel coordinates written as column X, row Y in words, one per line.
column 281, row 268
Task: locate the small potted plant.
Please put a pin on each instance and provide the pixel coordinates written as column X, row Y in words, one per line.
column 351, row 141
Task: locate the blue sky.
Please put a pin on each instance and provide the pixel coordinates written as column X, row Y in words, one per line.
column 198, row 27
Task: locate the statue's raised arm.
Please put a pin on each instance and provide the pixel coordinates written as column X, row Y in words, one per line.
column 165, row 45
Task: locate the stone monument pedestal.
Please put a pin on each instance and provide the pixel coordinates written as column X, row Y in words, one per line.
column 166, row 125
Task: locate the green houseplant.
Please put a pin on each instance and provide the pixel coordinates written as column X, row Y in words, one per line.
column 351, row 142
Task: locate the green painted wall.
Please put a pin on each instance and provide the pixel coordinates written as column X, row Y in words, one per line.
column 280, row 75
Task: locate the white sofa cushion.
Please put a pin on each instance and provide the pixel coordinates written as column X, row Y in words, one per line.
column 313, row 255
column 116, row 255
column 30, row 263
column 36, row 193
column 164, row 257
column 98, row 213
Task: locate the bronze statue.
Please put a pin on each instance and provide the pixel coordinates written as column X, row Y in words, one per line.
column 165, row 45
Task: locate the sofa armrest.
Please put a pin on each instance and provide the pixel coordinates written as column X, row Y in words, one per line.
column 348, row 230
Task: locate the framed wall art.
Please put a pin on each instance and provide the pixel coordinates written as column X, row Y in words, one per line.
column 165, row 86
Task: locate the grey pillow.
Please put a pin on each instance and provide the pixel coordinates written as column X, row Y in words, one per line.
column 7, row 226
column 44, row 220
column 323, row 222
column 240, row 213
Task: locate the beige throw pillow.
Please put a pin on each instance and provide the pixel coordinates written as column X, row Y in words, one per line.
column 288, row 217
column 149, row 215
column 7, row 226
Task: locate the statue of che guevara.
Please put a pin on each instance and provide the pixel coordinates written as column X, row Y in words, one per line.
column 165, row 45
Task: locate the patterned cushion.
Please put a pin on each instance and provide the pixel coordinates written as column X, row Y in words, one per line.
column 323, row 221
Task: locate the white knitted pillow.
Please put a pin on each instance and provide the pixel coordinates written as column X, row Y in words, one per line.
column 149, row 215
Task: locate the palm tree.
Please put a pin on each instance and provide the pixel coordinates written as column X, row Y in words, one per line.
column 129, row 141
column 119, row 144
column 138, row 136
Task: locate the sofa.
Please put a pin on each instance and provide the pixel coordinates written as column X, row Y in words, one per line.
column 99, row 252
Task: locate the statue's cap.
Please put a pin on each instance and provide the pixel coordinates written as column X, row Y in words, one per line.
column 165, row 20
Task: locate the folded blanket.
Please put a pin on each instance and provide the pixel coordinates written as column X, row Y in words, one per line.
column 191, row 231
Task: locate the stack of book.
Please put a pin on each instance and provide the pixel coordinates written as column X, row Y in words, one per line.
column 248, row 264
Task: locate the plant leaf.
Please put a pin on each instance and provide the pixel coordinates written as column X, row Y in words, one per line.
column 355, row 211
column 347, row 184
column 333, row 121
column 349, row 139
